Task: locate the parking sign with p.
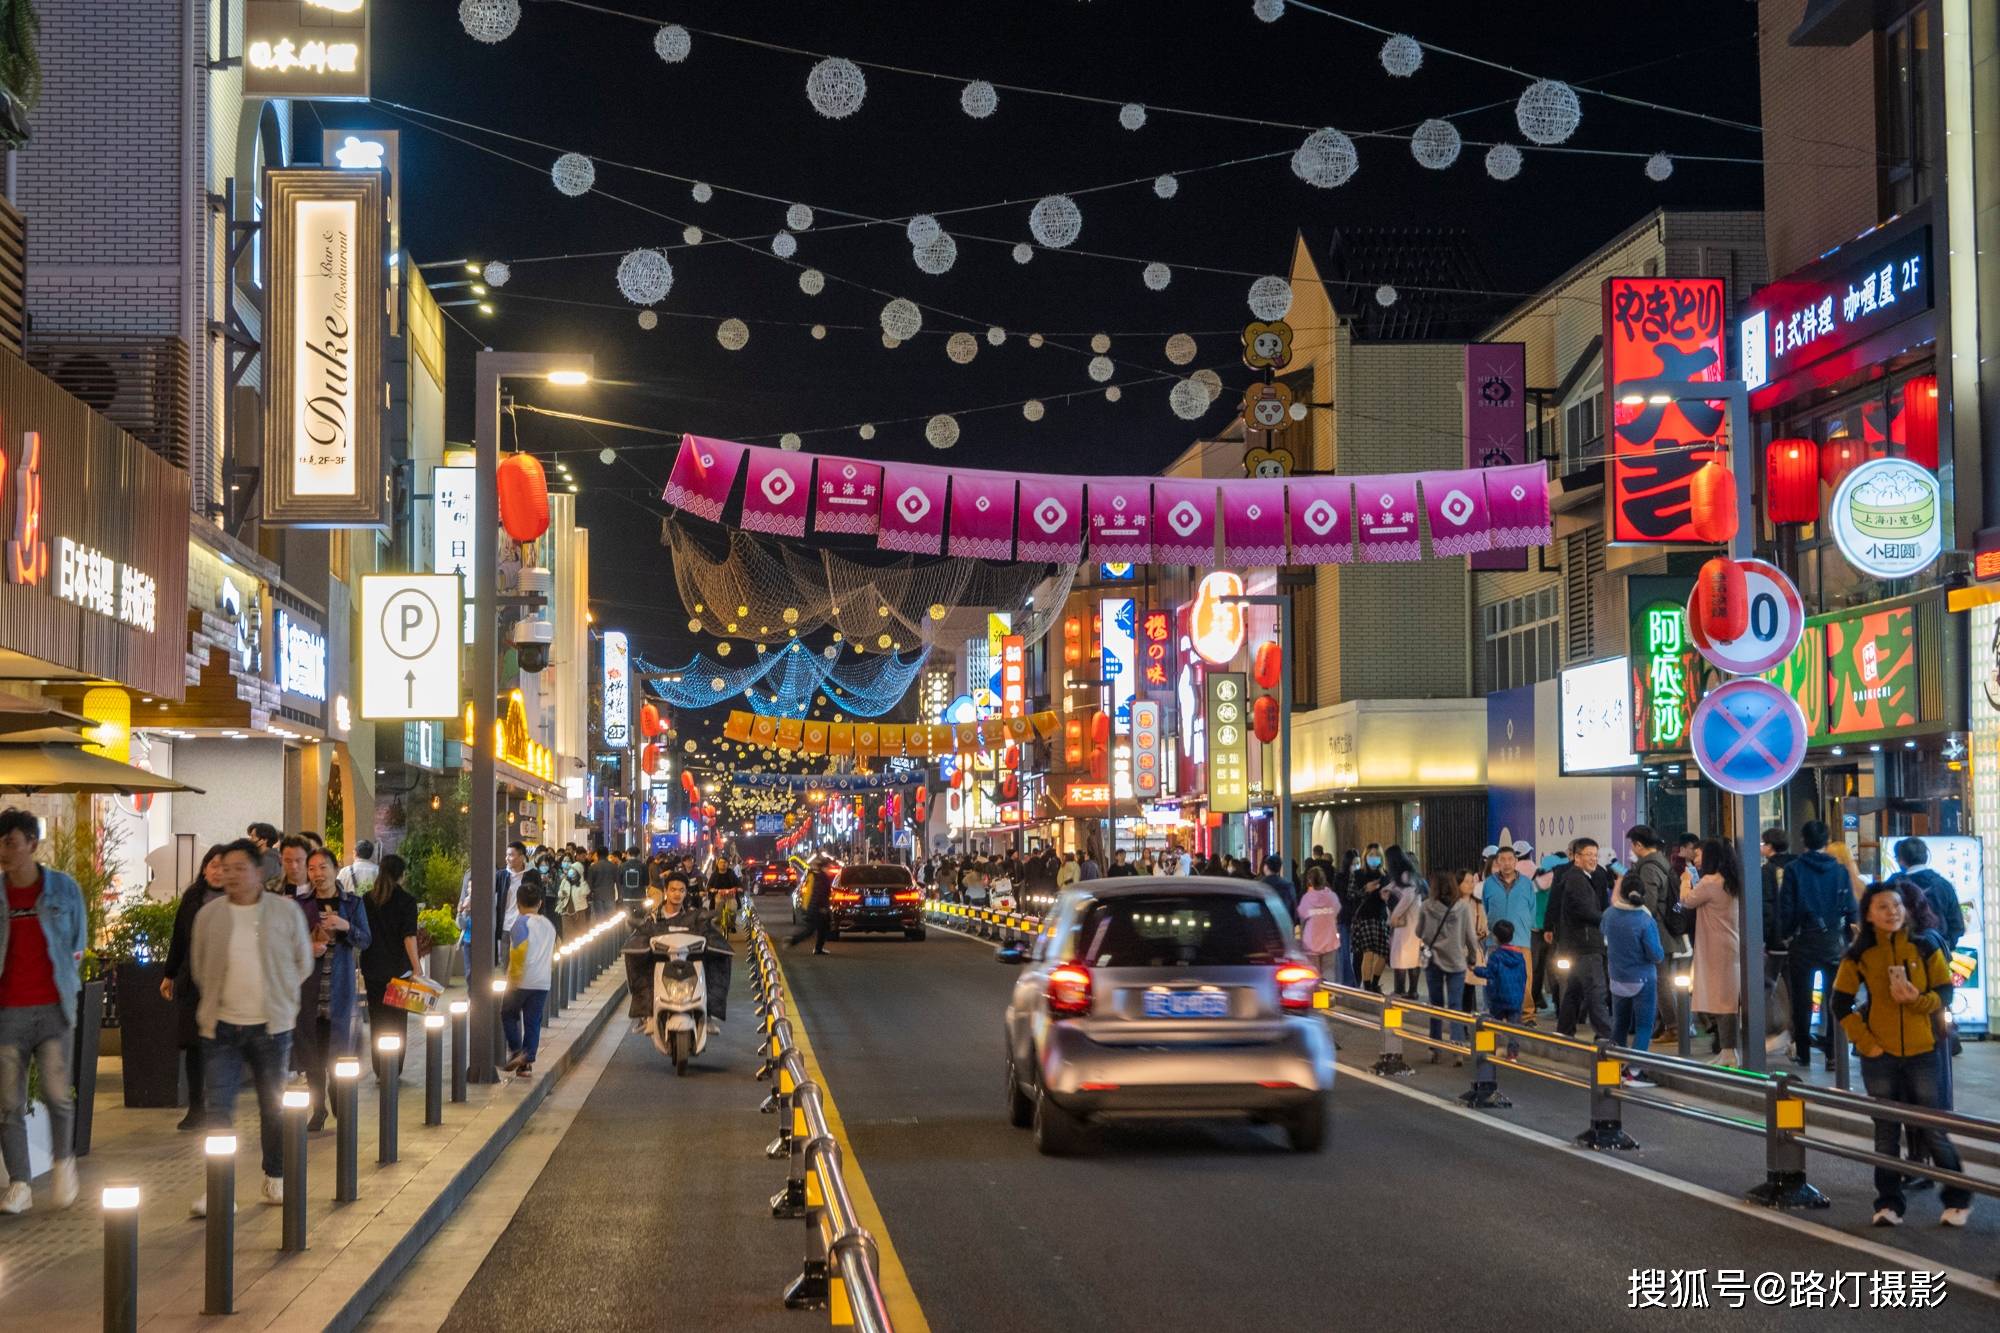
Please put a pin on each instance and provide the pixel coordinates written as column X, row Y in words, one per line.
column 409, row 652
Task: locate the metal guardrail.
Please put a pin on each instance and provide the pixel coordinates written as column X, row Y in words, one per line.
column 841, row 1270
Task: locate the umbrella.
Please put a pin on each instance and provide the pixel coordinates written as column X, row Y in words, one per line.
column 18, row 714
column 56, row 769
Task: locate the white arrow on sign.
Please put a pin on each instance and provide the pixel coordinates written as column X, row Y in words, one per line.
column 409, row 657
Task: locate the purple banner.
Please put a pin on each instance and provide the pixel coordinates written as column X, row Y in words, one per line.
column 845, row 497
column 775, row 494
column 1517, row 505
column 1322, row 510
column 1253, row 522
column 913, row 508
column 1496, row 423
column 982, row 515
column 1184, row 522
column 1121, row 519
column 1456, row 504
column 1385, row 515
column 704, row 470
column 1051, row 522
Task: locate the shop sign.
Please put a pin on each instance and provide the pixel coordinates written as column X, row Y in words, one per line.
column 301, row 656
column 1888, row 518
column 1013, row 676
column 1596, row 722
column 1088, row 794
column 1496, row 423
column 306, row 48
column 617, row 690
column 1986, row 554
column 1228, row 743
column 1662, row 665
column 1871, row 666
column 453, row 513
column 1146, row 749
column 1118, row 660
column 1217, row 626
column 1156, row 650
column 1660, row 328
column 1833, row 304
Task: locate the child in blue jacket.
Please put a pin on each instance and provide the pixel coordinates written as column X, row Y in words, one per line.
column 1506, row 974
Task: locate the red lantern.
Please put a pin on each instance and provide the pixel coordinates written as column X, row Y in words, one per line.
column 1013, row 756
column 1010, row 788
column 649, row 721
column 1791, row 481
column 1100, row 729
column 1721, row 600
column 1267, row 665
column 1264, row 718
column 1098, row 763
column 524, row 497
column 1712, row 503
column 1213, row 818
column 1840, row 456
column 1920, row 420
column 649, row 758
column 687, row 782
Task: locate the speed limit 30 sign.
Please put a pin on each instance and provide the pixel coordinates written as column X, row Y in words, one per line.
column 1777, row 619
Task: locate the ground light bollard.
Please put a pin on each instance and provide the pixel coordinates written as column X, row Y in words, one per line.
column 499, row 1027
column 1683, row 1004
column 808, row 1290
column 433, row 1069
column 121, row 1258
column 1485, row 1089
column 388, row 1063
column 347, row 1128
column 219, row 1285
column 1607, row 1129
column 297, row 1104
column 461, row 1029
column 552, row 1006
column 1391, row 1064
column 1785, row 1184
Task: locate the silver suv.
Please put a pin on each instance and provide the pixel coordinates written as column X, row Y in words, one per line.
column 1169, row 999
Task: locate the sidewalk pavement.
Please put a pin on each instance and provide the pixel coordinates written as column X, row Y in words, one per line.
column 51, row 1262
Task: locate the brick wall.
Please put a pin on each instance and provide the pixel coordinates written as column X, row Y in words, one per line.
column 1819, row 139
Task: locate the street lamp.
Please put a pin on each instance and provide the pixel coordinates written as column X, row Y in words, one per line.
column 489, row 370
column 1283, row 602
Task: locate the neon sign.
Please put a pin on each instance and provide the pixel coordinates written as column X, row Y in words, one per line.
column 27, row 553
column 1833, row 304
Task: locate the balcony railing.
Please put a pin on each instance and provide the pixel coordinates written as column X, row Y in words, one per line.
column 139, row 382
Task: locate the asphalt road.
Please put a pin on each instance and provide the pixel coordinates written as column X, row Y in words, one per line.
column 1413, row 1213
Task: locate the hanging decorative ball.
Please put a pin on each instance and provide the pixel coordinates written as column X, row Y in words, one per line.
column 1791, row 481
column 1023, row 252
column 922, row 229
column 1548, row 111
column 799, row 217
column 524, row 497
column 835, row 87
column 1100, row 343
column 607, row 455
column 891, row 341
column 1189, row 399
column 961, row 347
column 691, row 235
column 791, row 615
column 1132, row 116
column 1270, row 297
column 649, row 319
column 573, row 174
column 1034, row 340
column 818, row 332
column 1100, row 368
column 867, row 431
column 1385, row 296
column 942, row 431
column 722, row 649
column 702, row 192
column 1402, row 55
column 978, row 100
column 496, row 273
column 718, row 684
column 1210, row 381
column 883, row 641
column 1503, row 161
column 995, row 336
column 1326, row 159
column 1055, row 221
column 901, row 319
column 1721, row 600
column 694, row 625
column 938, row 255
column 645, row 277
column 812, row 282
column 733, row 334
column 1268, row 10
column 672, row 43
column 1033, row 409
column 761, row 650
column 1435, row 144
column 689, row 746
column 1712, row 502
column 1156, row 276
column 1297, row 411
column 1659, row 166
column 489, row 20
column 1112, row 393
column 784, row 245
column 789, row 440
column 1181, row 349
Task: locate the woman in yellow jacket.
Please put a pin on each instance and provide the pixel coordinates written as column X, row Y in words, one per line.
column 1906, row 980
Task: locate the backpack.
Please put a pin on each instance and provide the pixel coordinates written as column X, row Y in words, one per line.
column 1675, row 915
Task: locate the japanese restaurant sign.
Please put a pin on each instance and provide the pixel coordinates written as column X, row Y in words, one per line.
column 1228, row 743
column 306, row 48
column 1663, row 663
column 1838, row 301
column 1156, row 650
column 1660, row 328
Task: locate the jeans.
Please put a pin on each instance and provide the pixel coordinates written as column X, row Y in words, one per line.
column 1446, row 991
column 1348, row 976
column 1585, row 993
column 1800, row 969
column 267, row 1054
column 36, row 1031
column 1632, row 1015
column 521, row 1021
column 1911, row 1079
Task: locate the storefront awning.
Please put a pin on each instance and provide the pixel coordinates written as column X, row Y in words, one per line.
column 69, row 770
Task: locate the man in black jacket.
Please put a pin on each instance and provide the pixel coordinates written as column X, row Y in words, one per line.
column 1816, row 919
column 1577, row 902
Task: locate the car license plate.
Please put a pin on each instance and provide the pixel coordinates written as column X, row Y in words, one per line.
column 1185, row 1004
column 877, row 900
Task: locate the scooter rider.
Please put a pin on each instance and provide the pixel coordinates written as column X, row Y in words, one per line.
column 671, row 908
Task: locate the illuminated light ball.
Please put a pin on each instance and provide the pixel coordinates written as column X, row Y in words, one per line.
column 995, row 336
column 672, row 43
column 694, row 626
column 1023, row 252
column 922, row 229
column 836, row 87
column 791, row 615
column 1180, row 349
column 812, row 282
column 1156, row 276
column 1210, row 381
column 1270, row 297
column 718, row 685
column 1034, row 340
column 1402, row 55
column 1385, row 296
column 883, row 641
column 901, row 319
column 831, row 652
column 741, row 611
column 819, row 332
column 891, row 341
column 496, row 273
column 489, row 21
column 1326, row 159
column 1132, row 116
column 649, row 319
column 573, row 174
column 1100, row 342
column 1548, row 111
column 691, row 235
column 1055, row 221
column 689, row 746
column 761, row 650
column 722, row 649
column 702, row 192
column 607, row 455
column 784, row 245
column 1269, row 10
column 1659, row 166
column 733, row 334
column 1435, row 144
column 1033, row 409
column 789, row 440
column 882, row 612
column 938, row 256
column 699, row 608
column 1112, row 393
column 645, row 277
column 1503, row 161
column 978, row 99
column 942, row 430
column 799, row 217
column 937, row 611
column 1189, row 399
column 1101, row 368
column 961, row 348
column 1297, row 411
column 867, row 431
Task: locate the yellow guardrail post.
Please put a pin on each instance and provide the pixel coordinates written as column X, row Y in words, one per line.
column 808, row 1291
column 1390, row 1063
column 1607, row 1129
column 1485, row 1090
column 1785, row 1184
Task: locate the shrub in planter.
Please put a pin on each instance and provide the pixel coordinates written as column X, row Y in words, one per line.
column 437, row 938
column 135, row 949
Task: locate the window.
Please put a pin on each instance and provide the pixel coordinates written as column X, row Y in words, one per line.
column 1903, row 97
column 1583, row 433
column 1178, row 930
column 1518, row 640
column 1583, row 565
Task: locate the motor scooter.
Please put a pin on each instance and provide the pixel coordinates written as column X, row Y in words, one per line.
column 679, row 1025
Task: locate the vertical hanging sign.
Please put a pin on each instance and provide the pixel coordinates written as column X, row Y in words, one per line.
column 1496, row 423
column 1146, row 749
column 617, row 728
column 1156, row 650
column 1228, row 744
column 1660, row 328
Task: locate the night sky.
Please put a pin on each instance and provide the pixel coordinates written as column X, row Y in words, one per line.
column 737, row 116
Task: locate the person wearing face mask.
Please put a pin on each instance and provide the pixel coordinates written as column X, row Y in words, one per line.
column 178, row 985
column 329, row 1015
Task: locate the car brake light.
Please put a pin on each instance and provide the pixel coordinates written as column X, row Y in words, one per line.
column 909, row 895
column 1069, row 990
column 1296, row 984
column 843, row 896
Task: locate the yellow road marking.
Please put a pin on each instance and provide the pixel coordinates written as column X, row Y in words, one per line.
column 904, row 1310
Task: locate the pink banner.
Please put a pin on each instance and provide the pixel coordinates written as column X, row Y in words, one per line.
column 1385, row 515
column 775, row 493
column 1517, row 505
column 913, row 508
column 1253, row 522
column 1051, row 522
column 1184, row 522
column 1121, row 519
column 1456, row 504
column 704, row 470
column 1496, row 422
column 1322, row 510
column 846, row 495
column 982, row 515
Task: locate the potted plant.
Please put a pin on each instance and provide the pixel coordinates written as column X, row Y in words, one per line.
column 86, row 849
column 437, row 938
column 135, row 951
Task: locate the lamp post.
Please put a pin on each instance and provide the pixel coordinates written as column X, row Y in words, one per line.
column 489, row 370
column 1283, row 602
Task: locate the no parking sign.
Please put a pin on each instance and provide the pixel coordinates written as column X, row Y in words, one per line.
column 1748, row 737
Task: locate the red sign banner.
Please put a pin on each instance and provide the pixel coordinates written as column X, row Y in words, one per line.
column 1660, row 328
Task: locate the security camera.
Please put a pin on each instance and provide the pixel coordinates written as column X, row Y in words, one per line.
column 532, row 639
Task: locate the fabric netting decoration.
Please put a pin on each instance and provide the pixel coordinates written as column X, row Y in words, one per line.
column 573, row 174
column 1402, row 55
column 1023, row 252
column 1100, row 343
column 1167, row 185
column 942, row 430
column 818, row 332
column 922, row 229
column 645, row 277
column 496, row 273
column 790, row 440
column 1435, row 144
column 784, row 245
column 1054, row 221
column 1659, row 166
column 937, row 255
column 961, row 347
column 691, row 234
column 1112, row 393
column 733, row 334
column 1156, row 276
column 1326, row 159
column 1132, row 116
column 812, row 282
column 1101, row 369
column 867, row 432
column 1181, row 349
column 1189, row 399
column 891, row 341
column 649, row 319
column 1503, row 161
column 1034, row 340
column 1270, row 297
column 902, row 319
column 978, row 100
column 489, row 21
column 995, row 336
column 1209, row 381
column 607, row 455
column 836, row 87
column 799, row 217
column 786, row 683
column 1268, row 10
column 702, row 192
column 672, row 43
column 1033, row 409
column 1385, row 295
column 1548, row 111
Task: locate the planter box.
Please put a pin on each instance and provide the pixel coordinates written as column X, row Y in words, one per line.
column 441, row 962
column 150, row 1035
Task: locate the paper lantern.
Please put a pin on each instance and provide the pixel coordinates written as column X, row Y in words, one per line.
column 649, row 721
column 1840, row 456
column 1268, row 665
column 649, row 758
column 1098, row 764
column 1010, row 788
column 1791, row 481
column 1712, row 503
column 1264, row 718
column 1012, row 757
column 1721, row 600
column 1920, row 420
column 524, row 497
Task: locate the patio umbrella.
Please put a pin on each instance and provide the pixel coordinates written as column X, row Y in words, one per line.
column 18, row 715
column 56, row 769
